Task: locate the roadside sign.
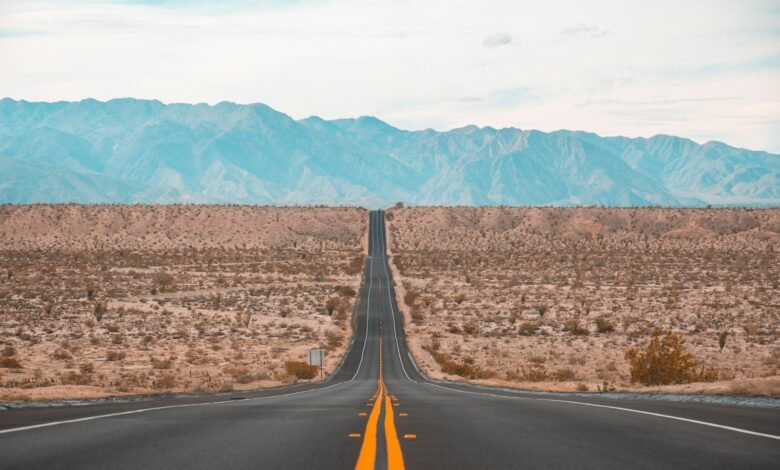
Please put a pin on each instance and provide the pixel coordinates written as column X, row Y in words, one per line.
column 316, row 357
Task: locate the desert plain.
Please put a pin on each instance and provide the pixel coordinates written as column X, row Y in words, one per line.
column 101, row 300
column 553, row 298
column 104, row 300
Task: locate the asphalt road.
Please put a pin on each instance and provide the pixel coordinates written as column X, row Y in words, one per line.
column 378, row 411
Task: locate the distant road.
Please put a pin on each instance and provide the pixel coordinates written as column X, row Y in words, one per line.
column 378, row 411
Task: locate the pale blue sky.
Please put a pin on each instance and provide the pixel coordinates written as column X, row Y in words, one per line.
column 708, row 70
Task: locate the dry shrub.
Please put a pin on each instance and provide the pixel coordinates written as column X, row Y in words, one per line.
column 74, row 378
column 722, row 339
column 300, row 369
column 346, row 291
column 331, row 305
column 115, row 355
column 164, row 281
column 541, row 309
column 466, row 369
column 410, row 297
column 244, row 318
column 663, row 361
column 417, row 316
column 355, row 266
column 527, row 328
column 333, row 339
column 166, row 382
column 10, row 363
column 471, row 328
column 603, row 325
column 99, row 310
column 61, row 355
column 245, row 379
column 242, row 375
column 90, row 291
column 574, row 327
column 236, row 371
column 535, row 373
column 564, row 375
column 161, row 363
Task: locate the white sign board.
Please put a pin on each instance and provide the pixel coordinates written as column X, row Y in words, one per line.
column 316, row 357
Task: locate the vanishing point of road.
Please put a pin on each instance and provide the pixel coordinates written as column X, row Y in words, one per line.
column 378, row 411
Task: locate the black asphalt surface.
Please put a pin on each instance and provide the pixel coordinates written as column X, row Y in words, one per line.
column 455, row 425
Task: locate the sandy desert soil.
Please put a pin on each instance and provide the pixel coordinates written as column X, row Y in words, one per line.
column 551, row 298
column 110, row 300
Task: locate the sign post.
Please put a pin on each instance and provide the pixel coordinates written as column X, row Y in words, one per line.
column 316, row 357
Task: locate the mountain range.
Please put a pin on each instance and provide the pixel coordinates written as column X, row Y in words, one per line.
column 144, row 151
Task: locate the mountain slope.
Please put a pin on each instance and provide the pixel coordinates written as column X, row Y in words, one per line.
column 129, row 150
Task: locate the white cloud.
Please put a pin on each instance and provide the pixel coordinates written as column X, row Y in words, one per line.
column 419, row 64
column 497, row 40
column 585, row 30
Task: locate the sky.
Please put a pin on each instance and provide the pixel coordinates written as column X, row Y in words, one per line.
column 706, row 69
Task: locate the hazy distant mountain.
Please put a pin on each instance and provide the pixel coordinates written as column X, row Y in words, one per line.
column 129, row 150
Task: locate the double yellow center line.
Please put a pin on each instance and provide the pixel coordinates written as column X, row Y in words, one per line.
column 367, row 458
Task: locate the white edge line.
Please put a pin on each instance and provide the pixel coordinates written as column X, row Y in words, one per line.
column 660, row 415
column 620, row 408
column 167, row 407
column 368, row 298
column 390, row 299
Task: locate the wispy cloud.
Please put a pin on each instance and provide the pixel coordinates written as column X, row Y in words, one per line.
column 655, row 102
column 15, row 33
column 497, row 40
column 221, row 5
column 583, row 29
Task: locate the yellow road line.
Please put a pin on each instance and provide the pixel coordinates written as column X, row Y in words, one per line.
column 367, row 458
column 395, row 458
column 368, row 449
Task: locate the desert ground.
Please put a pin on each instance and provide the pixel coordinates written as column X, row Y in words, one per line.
column 113, row 300
column 553, row 298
